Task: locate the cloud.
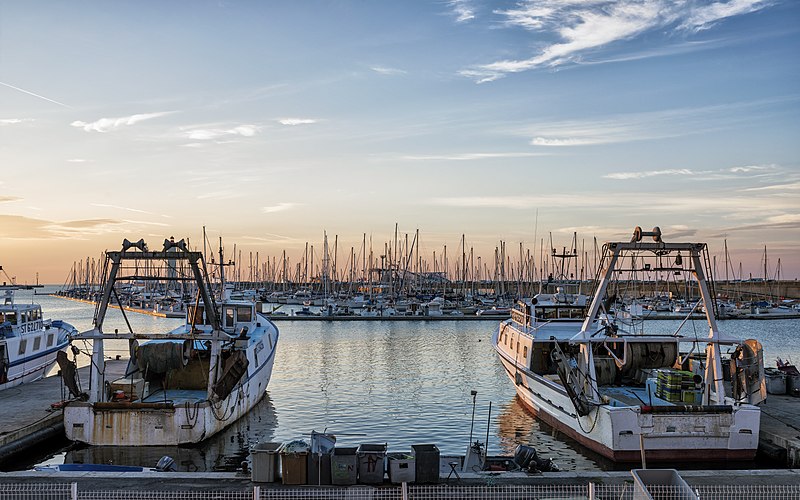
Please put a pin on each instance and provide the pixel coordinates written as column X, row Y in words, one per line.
column 209, row 134
column 16, row 227
column 296, row 121
column 280, row 207
column 77, row 160
column 704, row 16
column 462, row 9
column 128, row 209
column 14, row 121
column 6, row 198
column 792, row 186
column 570, row 141
column 383, row 70
column 469, row 156
column 109, row 124
column 650, row 173
column 224, row 194
column 707, row 174
column 651, row 125
column 575, row 27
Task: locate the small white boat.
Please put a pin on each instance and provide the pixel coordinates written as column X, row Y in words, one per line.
column 183, row 386
column 28, row 342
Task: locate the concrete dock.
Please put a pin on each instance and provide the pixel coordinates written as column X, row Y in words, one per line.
column 779, row 437
column 27, row 417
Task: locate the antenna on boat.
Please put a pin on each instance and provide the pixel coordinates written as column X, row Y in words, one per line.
column 488, row 426
column 474, row 395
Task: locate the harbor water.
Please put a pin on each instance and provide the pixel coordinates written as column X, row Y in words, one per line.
column 395, row 382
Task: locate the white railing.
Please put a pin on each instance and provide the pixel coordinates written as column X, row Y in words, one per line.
column 592, row 491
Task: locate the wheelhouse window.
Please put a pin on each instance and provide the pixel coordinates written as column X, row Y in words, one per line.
column 229, row 317
column 196, row 315
column 244, row 314
column 50, row 339
column 37, row 343
column 23, row 344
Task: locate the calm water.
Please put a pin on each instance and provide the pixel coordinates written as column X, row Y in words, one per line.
column 400, row 383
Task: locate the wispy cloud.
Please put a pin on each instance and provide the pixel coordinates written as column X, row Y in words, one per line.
column 6, row 198
column 687, row 172
column 649, row 125
column 296, row 121
column 128, row 209
column 16, row 227
column 224, row 194
column 109, row 124
column 580, row 26
column 77, row 160
column 14, row 121
column 211, row 134
column 33, row 94
column 280, row 207
column 469, row 156
column 462, row 9
column 383, row 70
column 791, row 186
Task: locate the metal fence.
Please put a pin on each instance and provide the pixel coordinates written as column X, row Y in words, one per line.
column 592, row 491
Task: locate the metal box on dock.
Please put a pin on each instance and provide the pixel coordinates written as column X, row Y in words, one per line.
column 401, row 468
column 294, row 469
column 319, row 468
column 265, row 462
column 344, row 466
column 426, row 467
column 370, row 463
column 652, row 484
column 776, row 381
column 793, row 385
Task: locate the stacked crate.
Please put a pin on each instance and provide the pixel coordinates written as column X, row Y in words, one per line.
column 675, row 386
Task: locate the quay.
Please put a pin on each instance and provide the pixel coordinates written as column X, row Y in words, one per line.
column 27, row 417
column 779, row 437
column 706, row 484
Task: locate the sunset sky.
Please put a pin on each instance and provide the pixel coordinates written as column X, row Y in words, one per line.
column 271, row 122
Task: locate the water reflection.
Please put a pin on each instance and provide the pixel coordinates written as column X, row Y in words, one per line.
column 516, row 425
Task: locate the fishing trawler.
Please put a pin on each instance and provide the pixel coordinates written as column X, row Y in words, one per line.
column 608, row 382
column 183, row 386
column 29, row 343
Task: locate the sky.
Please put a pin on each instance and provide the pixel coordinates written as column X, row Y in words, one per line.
column 272, row 123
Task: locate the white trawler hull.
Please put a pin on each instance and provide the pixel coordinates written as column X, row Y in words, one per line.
column 34, row 363
column 613, row 432
column 172, row 423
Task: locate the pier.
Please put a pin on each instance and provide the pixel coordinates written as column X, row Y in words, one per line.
column 31, row 413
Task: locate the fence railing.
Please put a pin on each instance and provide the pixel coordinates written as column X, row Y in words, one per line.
column 591, row 491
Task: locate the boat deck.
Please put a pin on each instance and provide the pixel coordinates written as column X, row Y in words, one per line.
column 176, row 396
